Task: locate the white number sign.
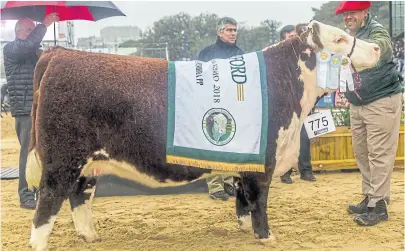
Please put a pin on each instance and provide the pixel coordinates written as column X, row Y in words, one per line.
column 319, row 123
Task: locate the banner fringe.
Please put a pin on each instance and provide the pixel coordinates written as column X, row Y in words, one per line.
column 214, row 165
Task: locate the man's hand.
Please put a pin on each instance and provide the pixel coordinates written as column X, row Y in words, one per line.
column 50, row 18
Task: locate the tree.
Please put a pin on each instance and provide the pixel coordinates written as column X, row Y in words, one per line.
column 2, row 69
column 254, row 38
column 204, row 27
column 129, row 44
column 272, row 26
column 173, row 30
column 326, row 14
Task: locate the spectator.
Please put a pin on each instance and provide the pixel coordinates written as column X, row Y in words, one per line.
column 398, row 52
column 287, row 32
column 374, row 115
column 20, row 58
column 220, row 186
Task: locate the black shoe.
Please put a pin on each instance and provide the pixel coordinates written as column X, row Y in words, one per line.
column 286, row 178
column 29, row 204
column 230, row 190
column 374, row 215
column 360, row 208
column 308, row 176
column 220, row 195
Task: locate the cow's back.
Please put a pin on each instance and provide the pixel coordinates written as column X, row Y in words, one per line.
column 107, row 101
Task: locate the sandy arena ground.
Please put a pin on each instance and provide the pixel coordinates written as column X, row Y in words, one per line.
column 302, row 216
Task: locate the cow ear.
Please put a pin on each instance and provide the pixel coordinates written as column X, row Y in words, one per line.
column 300, row 28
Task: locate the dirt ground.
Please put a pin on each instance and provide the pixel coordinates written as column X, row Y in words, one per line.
column 302, row 216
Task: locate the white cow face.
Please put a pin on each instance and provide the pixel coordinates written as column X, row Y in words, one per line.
column 219, row 127
column 364, row 56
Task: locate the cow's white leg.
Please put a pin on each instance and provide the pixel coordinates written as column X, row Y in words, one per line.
column 80, row 202
column 40, row 235
column 245, row 222
column 48, row 207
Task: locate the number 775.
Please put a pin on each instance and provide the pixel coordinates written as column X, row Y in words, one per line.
column 318, row 120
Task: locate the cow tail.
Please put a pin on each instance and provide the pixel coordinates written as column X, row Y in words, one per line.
column 33, row 170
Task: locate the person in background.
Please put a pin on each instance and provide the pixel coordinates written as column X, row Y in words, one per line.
column 20, row 58
column 304, row 160
column 374, row 115
column 287, row 32
column 220, row 187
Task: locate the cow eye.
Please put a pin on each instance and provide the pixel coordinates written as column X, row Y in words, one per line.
column 339, row 40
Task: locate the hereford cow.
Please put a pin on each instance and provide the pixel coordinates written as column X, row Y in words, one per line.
column 91, row 109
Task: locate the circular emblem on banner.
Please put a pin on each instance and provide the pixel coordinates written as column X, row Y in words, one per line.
column 219, row 126
column 323, row 56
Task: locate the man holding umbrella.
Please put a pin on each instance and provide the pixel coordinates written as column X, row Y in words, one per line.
column 20, row 58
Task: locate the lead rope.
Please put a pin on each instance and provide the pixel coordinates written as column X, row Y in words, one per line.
column 356, row 75
column 295, row 55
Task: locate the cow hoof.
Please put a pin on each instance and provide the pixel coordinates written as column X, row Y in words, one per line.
column 90, row 238
column 265, row 241
column 245, row 223
column 35, row 247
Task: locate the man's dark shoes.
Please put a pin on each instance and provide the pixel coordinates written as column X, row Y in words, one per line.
column 230, row 190
column 360, row 208
column 308, row 176
column 220, row 195
column 374, row 215
column 286, row 178
column 29, row 204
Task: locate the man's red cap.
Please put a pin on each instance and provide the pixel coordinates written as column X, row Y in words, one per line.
column 352, row 6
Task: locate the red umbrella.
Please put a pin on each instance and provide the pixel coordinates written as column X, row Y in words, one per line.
column 67, row 10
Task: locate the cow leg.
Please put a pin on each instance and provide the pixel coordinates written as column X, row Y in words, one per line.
column 52, row 192
column 242, row 208
column 256, row 190
column 44, row 219
column 80, row 203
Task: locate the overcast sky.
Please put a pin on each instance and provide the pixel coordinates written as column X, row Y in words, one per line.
column 144, row 13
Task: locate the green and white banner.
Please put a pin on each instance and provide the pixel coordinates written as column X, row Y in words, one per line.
column 218, row 113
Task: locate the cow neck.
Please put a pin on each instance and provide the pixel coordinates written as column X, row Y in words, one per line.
column 288, row 63
column 307, row 74
column 308, row 70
